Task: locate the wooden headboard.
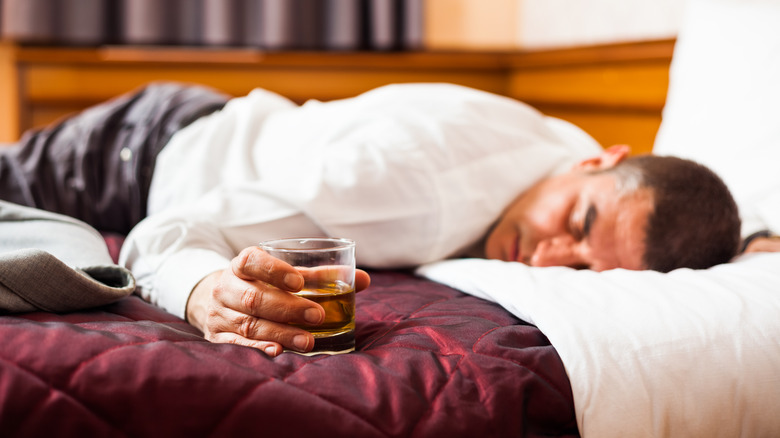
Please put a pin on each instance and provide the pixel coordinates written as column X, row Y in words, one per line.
column 615, row 92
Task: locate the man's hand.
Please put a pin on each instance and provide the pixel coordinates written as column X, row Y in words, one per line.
column 764, row 244
column 251, row 304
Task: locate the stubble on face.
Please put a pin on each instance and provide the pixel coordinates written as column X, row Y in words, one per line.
column 558, row 210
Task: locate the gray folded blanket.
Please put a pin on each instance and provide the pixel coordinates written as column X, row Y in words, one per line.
column 55, row 263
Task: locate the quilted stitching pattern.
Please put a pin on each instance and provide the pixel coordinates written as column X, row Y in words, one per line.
column 431, row 361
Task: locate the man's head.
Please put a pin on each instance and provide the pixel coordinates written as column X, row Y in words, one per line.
column 616, row 211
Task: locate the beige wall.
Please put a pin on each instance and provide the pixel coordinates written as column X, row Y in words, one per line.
column 542, row 24
column 472, row 24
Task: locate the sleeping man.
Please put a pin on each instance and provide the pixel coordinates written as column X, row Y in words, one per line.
column 413, row 173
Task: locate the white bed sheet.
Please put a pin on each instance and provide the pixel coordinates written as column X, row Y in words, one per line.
column 682, row 354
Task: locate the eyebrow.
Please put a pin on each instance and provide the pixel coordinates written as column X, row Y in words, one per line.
column 590, row 217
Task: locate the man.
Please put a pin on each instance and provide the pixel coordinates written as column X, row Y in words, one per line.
column 414, row 173
column 600, row 215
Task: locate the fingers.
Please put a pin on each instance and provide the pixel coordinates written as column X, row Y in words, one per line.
column 250, row 304
column 256, row 314
column 362, row 280
column 229, row 326
column 328, row 276
column 255, row 264
column 272, row 349
column 262, row 300
column 333, row 273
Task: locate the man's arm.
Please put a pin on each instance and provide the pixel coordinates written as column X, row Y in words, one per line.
column 185, row 262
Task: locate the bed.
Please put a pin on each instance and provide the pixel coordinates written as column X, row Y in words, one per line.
column 471, row 347
column 431, row 361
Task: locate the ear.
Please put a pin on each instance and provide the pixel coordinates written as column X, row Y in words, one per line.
column 610, row 157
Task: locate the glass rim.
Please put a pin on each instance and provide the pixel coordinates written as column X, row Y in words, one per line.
column 339, row 243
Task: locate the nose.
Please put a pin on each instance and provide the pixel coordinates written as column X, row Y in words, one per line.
column 559, row 251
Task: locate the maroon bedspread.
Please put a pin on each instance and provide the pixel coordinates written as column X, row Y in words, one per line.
column 430, row 362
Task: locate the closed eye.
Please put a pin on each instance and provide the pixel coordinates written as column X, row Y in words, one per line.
column 590, row 217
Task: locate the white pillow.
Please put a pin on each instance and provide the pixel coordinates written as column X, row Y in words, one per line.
column 691, row 353
column 723, row 106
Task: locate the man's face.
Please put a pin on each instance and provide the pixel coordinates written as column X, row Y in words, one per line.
column 577, row 219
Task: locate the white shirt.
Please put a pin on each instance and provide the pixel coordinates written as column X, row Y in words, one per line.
column 413, row 173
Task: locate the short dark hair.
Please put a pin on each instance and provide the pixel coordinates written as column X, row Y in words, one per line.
column 695, row 221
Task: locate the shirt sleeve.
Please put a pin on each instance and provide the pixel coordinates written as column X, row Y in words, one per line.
column 170, row 252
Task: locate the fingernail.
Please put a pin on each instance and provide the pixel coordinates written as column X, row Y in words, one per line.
column 301, row 342
column 293, row 281
column 312, row 315
column 270, row 350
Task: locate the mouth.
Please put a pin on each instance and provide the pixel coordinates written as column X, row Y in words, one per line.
column 517, row 252
column 514, row 251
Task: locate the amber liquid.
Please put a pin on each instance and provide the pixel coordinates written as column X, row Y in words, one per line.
column 336, row 334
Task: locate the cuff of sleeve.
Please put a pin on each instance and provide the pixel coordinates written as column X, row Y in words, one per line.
column 181, row 273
